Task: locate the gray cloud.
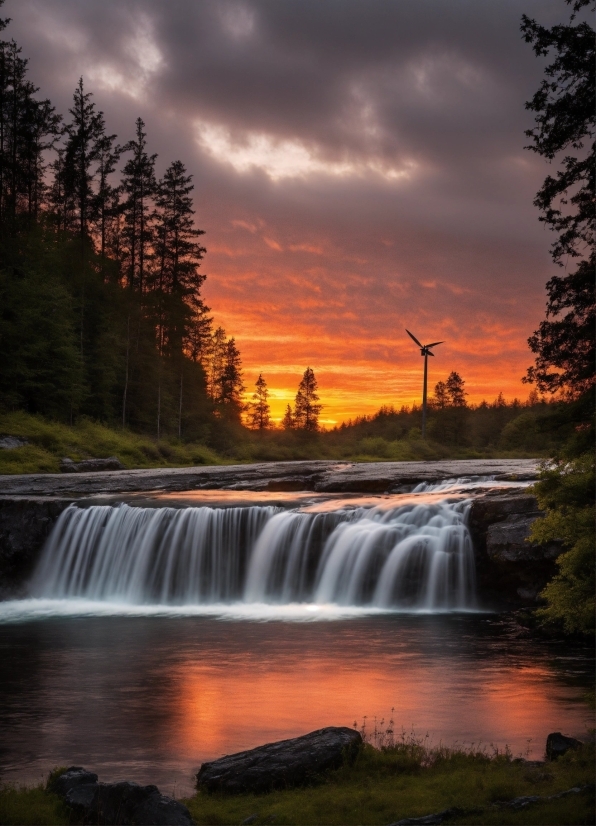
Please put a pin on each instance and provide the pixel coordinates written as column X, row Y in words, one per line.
column 406, row 119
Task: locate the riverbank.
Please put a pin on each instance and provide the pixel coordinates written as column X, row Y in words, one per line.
column 37, row 445
column 408, row 779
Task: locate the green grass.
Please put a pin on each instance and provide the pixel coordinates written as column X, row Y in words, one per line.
column 31, row 806
column 410, row 781
column 383, row 785
column 51, row 441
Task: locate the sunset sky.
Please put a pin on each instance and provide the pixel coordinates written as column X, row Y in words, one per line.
column 359, row 168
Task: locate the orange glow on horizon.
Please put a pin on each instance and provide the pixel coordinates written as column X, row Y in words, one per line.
column 351, row 387
column 293, row 302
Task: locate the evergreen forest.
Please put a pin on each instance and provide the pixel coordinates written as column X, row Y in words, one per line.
column 100, row 275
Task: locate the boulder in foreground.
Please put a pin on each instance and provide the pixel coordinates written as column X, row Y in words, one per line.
column 117, row 803
column 280, row 765
column 557, row 744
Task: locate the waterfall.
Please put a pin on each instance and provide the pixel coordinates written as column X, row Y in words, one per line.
column 417, row 556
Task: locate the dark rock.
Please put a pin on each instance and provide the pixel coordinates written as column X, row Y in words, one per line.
column 91, row 465
column 118, row 803
column 159, row 810
column 510, row 571
column 557, row 744
column 507, row 540
column 73, row 776
column 124, row 803
column 285, row 763
column 24, row 527
column 81, row 799
column 12, row 442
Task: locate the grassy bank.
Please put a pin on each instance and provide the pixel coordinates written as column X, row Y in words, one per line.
column 405, row 780
column 49, row 441
column 410, row 780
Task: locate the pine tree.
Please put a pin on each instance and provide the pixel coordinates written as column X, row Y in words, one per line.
column 288, row 420
column 107, row 200
column 28, row 128
column 85, row 137
column 213, row 362
column 139, row 187
column 258, row 408
column 178, row 258
column 231, row 384
column 455, row 390
column 223, row 370
column 306, row 406
column 441, row 399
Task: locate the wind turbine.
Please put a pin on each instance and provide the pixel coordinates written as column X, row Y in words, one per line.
column 426, row 352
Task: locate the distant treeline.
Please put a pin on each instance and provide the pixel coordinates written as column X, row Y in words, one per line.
column 534, row 426
column 101, row 312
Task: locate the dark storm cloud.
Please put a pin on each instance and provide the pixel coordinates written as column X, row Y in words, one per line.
column 436, row 87
column 429, row 79
column 369, row 147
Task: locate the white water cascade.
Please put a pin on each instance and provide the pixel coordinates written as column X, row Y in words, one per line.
column 413, row 557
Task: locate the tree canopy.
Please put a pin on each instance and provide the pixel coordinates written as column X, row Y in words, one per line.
column 101, row 309
column 565, row 113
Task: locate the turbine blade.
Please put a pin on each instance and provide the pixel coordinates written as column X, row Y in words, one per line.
column 434, row 344
column 414, row 338
column 430, row 353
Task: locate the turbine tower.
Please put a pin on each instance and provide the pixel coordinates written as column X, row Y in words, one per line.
column 426, row 352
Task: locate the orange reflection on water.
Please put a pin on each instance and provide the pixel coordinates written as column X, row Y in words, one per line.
column 250, row 702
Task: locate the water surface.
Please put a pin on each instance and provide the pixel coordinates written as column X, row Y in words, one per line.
column 149, row 698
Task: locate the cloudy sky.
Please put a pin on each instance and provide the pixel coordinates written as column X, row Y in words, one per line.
column 359, row 169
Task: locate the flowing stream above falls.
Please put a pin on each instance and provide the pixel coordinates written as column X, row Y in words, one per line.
column 410, row 556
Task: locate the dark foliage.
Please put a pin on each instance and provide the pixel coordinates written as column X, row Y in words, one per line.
column 565, row 108
column 101, row 312
column 307, row 408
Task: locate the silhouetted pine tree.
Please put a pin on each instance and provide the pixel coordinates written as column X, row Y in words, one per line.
column 139, row 187
column 28, row 128
column 230, row 383
column 455, row 390
column 107, row 200
column 288, row 420
column 258, row 408
column 440, row 400
column 178, row 258
column 85, row 138
column 306, row 404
